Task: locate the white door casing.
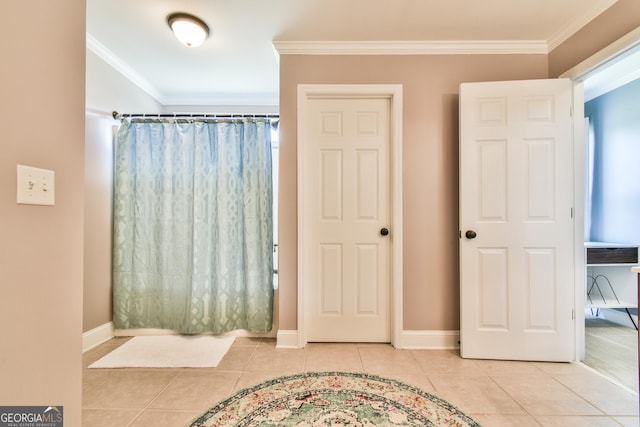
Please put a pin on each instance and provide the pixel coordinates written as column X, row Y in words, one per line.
column 517, row 195
column 349, row 187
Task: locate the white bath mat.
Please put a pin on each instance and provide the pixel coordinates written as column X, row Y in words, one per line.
column 168, row 351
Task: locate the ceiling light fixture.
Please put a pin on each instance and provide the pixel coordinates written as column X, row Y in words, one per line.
column 190, row 30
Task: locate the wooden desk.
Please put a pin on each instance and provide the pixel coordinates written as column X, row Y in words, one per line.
column 610, row 284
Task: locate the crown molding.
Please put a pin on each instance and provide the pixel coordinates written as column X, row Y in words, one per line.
column 581, row 20
column 110, row 58
column 445, row 47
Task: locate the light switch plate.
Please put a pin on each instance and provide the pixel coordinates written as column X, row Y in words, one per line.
column 35, row 186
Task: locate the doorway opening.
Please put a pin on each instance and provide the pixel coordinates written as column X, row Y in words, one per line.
column 611, row 79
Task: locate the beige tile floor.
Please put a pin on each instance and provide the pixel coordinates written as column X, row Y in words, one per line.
column 495, row 393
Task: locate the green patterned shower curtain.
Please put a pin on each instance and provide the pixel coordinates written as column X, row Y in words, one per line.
column 193, row 229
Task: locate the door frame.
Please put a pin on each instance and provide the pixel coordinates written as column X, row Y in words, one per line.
column 597, row 62
column 393, row 92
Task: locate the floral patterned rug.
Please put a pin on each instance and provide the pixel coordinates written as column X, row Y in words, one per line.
column 333, row 399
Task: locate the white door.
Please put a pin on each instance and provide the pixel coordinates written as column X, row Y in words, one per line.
column 346, row 186
column 516, row 220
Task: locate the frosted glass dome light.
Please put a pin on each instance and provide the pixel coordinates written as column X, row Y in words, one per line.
column 191, row 31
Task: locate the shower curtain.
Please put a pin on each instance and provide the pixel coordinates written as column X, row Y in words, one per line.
column 193, row 232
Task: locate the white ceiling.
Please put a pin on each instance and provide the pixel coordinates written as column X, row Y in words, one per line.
column 238, row 64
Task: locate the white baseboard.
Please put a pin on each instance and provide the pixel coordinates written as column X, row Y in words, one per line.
column 287, row 339
column 430, row 340
column 97, row 336
column 410, row 340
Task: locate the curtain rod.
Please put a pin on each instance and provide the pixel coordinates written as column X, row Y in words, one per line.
column 118, row 116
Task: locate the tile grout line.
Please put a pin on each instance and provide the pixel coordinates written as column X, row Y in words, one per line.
column 517, row 402
column 243, row 371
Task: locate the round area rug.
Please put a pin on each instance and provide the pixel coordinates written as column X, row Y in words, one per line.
column 333, row 399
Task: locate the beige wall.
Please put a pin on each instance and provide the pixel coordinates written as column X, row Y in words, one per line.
column 430, row 162
column 615, row 22
column 97, row 307
column 42, row 113
column 107, row 90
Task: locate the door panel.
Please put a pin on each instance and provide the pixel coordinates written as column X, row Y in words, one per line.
column 347, row 182
column 516, row 193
